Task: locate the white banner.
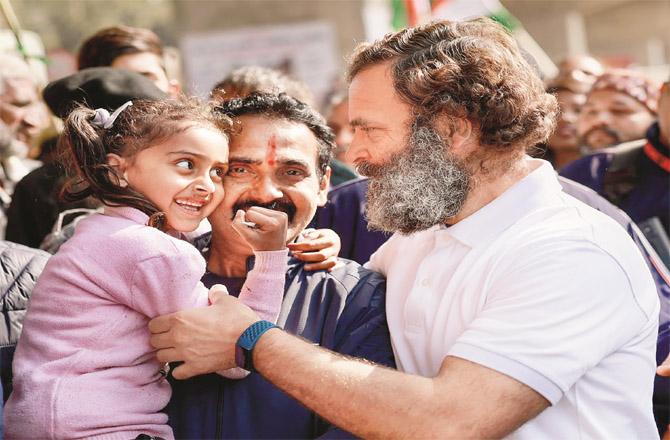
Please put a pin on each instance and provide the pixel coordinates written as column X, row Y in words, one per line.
column 306, row 51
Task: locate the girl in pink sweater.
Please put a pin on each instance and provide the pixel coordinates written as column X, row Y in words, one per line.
column 84, row 366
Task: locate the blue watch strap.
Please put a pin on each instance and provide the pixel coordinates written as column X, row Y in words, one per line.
column 247, row 341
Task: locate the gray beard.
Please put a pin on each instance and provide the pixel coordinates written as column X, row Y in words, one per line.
column 421, row 187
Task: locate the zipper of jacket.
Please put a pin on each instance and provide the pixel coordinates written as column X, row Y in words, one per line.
column 219, row 409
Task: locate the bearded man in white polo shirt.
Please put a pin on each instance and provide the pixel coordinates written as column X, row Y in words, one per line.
column 514, row 309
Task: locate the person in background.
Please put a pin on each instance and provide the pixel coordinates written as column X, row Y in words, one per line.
column 579, row 68
column 563, row 145
column 338, row 120
column 245, row 80
column 21, row 107
column 7, row 149
column 620, row 107
column 124, row 47
column 24, row 114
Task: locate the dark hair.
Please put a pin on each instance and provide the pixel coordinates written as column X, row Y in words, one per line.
column 243, row 81
column 106, row 45
column 142, row 125
column 283, row 106
column 471, row 69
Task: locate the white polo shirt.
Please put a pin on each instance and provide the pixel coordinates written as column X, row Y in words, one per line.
column 542, row 288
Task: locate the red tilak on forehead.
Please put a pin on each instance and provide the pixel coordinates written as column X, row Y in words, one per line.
column 271, row 156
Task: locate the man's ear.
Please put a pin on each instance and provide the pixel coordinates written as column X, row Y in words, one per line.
column 119, row 164
column 462, row 133
column 324, row 186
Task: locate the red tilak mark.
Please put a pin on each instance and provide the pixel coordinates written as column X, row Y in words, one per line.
column 272, row 151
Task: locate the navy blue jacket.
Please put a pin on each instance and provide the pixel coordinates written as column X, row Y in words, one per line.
column 343, row 310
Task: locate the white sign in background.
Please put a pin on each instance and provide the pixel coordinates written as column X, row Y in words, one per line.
column 307, row 50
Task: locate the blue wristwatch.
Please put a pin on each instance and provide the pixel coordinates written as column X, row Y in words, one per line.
column 247, row 341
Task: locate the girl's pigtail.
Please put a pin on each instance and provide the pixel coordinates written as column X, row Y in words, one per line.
column 85, row 156
column 157, row 220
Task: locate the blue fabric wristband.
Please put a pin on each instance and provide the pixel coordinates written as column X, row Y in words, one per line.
column 247, row 341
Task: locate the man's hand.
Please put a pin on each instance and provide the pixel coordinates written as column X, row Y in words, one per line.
column 204, row 339
column 318, row 248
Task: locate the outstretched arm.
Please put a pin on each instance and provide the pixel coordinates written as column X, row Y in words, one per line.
column 363, row 398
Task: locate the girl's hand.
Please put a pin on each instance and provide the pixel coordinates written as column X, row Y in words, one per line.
column 318, row 247
column 264, row 229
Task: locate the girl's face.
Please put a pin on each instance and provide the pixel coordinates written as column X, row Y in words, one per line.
column 182, row 175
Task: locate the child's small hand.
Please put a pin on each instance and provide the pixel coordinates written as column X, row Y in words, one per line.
column 264, row 229
column 318, row 247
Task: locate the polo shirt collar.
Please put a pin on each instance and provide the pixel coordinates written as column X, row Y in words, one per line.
column 525, row 196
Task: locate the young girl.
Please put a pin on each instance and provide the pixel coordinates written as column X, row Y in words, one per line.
column 84, row 366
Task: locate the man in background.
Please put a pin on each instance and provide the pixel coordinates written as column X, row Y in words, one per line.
column 579, row 68
column 124, row 47
column 21, row 107
column 23, row 113
column 245, row 80
column 633, row 175
column 563, row 146
column 620, row 107
column 337, row 115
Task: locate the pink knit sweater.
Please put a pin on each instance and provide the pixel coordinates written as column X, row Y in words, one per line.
column 84, row 366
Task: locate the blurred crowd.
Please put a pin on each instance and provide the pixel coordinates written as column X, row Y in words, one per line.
column 612, row 135
column 612, row 132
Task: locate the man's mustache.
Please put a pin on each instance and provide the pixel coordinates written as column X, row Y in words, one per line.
column 605, row 129
column 283, row 205
column 370, row 170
